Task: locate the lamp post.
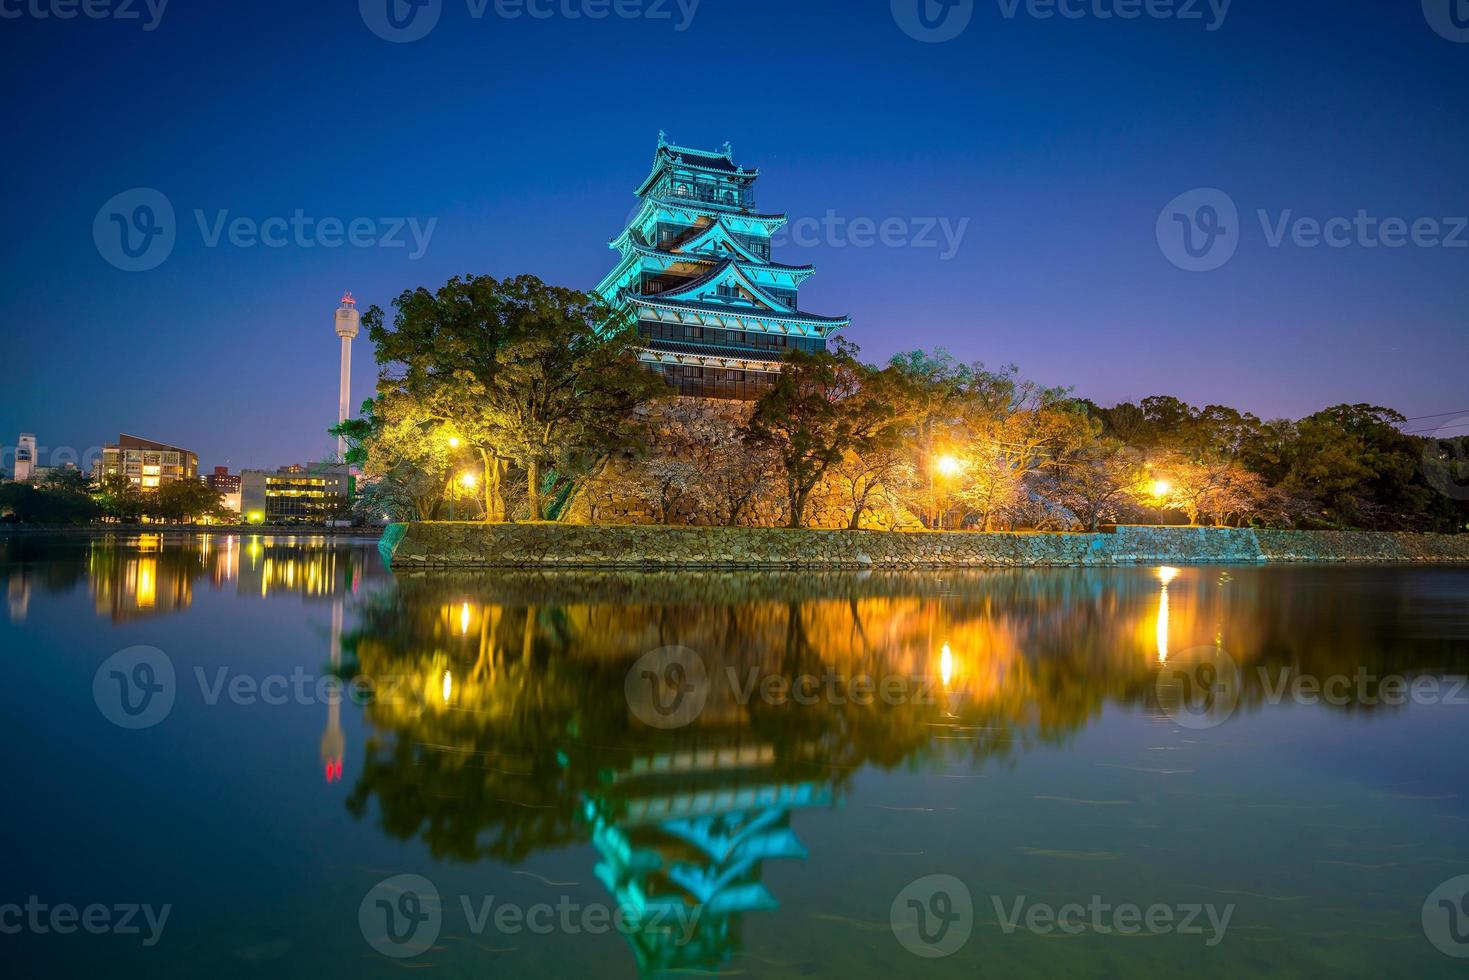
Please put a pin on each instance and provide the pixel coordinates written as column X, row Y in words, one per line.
column 469, row 481
column 453, row 485
column 946, row 466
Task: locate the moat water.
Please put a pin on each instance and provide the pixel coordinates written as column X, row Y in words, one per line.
column 1211, row 772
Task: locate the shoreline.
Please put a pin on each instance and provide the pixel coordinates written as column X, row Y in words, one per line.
column 29, row 530
column 426, row 545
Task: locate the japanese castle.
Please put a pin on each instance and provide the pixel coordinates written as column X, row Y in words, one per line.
column 715, row 314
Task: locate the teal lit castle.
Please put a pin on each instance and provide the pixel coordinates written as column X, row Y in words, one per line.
column 715, row 314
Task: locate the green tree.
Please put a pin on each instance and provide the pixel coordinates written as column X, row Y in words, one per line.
column 183, row 501
column 822, row 406
column 528, row 376
column 119, row 499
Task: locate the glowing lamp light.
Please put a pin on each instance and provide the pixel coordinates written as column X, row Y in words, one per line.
column 453, row 442
column 948, row 465
column 1161, row 488
column 469, row 480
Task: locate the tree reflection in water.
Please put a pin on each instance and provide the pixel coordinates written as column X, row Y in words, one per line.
column 510, row 731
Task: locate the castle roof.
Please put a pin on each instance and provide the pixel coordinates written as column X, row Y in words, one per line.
column 719, row 161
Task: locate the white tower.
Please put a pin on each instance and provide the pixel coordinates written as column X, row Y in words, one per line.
column 349, row 322
column 25, row 458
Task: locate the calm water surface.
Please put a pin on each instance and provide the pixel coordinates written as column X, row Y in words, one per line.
column 531, row 747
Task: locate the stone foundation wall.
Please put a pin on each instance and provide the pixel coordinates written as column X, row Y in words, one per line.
column 424, row 545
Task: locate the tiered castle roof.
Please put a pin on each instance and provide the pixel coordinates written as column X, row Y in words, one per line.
column 696, row 272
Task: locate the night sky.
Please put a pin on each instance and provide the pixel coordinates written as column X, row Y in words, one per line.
column 1054, row 144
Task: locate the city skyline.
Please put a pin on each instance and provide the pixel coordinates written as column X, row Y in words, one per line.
column 1024, row 202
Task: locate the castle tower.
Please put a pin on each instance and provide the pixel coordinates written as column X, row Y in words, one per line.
column 715, row 314
column 349, row 323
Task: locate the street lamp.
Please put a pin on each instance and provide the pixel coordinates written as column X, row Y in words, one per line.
column 947, row 466
column 469, row 481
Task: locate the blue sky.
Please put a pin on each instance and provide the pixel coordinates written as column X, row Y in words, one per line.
column 1054, row 143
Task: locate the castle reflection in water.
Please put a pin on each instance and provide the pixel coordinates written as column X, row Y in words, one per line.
column 513, row 731
column 520, row 733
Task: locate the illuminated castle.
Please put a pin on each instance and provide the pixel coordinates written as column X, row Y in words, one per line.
column 715, row 314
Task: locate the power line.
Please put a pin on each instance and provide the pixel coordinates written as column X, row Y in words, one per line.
column 1420, row 418
column 1428, row 432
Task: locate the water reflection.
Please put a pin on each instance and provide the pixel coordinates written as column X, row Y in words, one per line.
column 137, row 576
column 518, row 736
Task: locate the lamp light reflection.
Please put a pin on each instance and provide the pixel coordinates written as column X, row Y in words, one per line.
column 946, row 665
column 1166, row 575
column 448, row 686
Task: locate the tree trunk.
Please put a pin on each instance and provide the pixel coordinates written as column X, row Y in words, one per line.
column 533, row 488
column 798, row 509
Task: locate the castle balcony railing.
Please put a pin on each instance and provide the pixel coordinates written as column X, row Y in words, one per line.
column 717, row 194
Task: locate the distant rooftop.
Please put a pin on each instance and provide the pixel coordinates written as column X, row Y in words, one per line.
column 125, row 441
